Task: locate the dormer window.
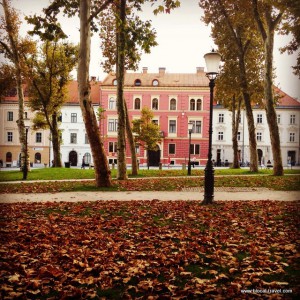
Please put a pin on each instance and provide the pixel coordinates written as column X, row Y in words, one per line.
column 155, row 82
column 115, row 82
column 137, row 82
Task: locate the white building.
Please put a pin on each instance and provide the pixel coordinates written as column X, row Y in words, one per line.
column 75, row 145
column 288, row 118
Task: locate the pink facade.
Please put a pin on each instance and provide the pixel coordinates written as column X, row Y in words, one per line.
column 175, row 99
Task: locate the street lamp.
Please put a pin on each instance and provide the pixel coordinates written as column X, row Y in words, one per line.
column 25, row 167
column 190, row 129
column 212, row 61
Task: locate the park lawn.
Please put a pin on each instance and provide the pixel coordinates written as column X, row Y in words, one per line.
column 74, row 173
column 149, row 250
column 284, row 183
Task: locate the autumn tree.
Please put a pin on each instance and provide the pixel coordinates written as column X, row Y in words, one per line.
column 233, row 32
column 49, row 74
column 148, row 133
column 268, row 17
column 14, row 48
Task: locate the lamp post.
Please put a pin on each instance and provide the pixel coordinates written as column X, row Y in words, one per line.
column 25, row 167
column 212, row 61
column 190, row 129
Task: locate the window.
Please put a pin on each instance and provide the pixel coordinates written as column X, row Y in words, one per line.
column 259, row 118
column 137, row 148
column 86, row 139
column 195, row 149
column 155, row 82
column 259, row 136
column 221, row 118
column 112, row 147
column 292, row 119
column 115, row 82
column 196, row 126
column 87, row 158
column 292, row 137
column 172, row 126
column 37, row 158
column 195, row 105
column 192, row 104
column 155, row 122
column 173, row 104
column 155, row 104
column 278, row 119
column 113, row 125
column 239, row 136
column 73, row 138
column 112, row 103
column 9, row 136
column 8, row 157
column 73, row 118
column 137, row 103
column 38, row 137
column 172, row 148
column 10, row 116
column 220, row 135
column 25, row 115
column 137, row 82
column 199, row 104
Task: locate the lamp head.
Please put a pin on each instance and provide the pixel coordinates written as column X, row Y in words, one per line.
column 212, row 61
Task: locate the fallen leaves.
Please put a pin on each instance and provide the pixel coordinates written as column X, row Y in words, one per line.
column 148, row 249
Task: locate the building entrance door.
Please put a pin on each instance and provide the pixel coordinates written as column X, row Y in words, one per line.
column 292, row 158
column 154, row 157
column 73, row 158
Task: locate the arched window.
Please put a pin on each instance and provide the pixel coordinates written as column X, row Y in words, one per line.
column 173, row 104
column 87, row 158
column 155, row 104
column 115, row 82
column 199, row 104
column 112, row 103
column 155, row 82
column 8, row 157
column 137, row 103
column 137, row 82
column 37, row 158
column 192, row 104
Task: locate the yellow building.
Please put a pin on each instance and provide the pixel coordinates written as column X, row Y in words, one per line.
column 10, row 147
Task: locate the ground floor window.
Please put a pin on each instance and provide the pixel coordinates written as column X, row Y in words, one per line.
column 172, row 148
column 37, row 158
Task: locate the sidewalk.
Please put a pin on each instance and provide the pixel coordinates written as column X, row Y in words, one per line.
column 188, row 194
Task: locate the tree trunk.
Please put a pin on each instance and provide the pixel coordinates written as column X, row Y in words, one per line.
column 16, row 60
column 134, row 164
column 121, row 22
column 266, row 28
column 236, row 114
column 270, row 109
column 102, row 171
column 249, row 115
column 55, row 142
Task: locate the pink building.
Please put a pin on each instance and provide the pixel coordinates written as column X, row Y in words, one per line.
column 175, row 99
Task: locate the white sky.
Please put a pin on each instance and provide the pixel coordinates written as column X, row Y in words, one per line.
column 183, row 40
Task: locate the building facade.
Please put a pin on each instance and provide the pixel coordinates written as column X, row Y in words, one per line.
column 175, row 99
column 10, row 147
column 288, row 119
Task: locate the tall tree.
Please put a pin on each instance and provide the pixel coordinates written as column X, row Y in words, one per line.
column 49, row 74
column 268, row 17
column 148, row 133
column 14, row 49
column 233, row 29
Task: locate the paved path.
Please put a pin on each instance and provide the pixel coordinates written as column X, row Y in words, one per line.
column 187, row 194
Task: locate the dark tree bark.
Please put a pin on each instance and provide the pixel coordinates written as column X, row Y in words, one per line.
column 236, row 114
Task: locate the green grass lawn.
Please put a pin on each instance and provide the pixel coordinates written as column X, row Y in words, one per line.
column 70, row 173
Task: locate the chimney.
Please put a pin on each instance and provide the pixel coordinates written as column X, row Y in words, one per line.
column 145, row 70
column 162, row 71
column 200, row 70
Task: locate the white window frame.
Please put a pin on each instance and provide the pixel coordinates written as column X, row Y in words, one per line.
column 259, row 119
column 292, row 119
column 38, row 137
column 220, row 136
column 10, row 136
column 73, row 117
column 73, row 138
column 112, row 124
column 221, row 118
column 169, row 127
column 170, row 106
column 152, row 99
column 112, row 102
column 259, row 136
column 292, row 137
column 10, row 116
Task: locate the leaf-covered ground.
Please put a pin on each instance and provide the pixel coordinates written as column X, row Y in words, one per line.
column 149, row 250
column 288, row 183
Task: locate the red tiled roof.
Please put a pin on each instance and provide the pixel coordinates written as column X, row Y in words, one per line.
column 72, row 93
column 285, row 99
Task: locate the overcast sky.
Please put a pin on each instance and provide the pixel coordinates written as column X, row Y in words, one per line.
column 183, row 40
